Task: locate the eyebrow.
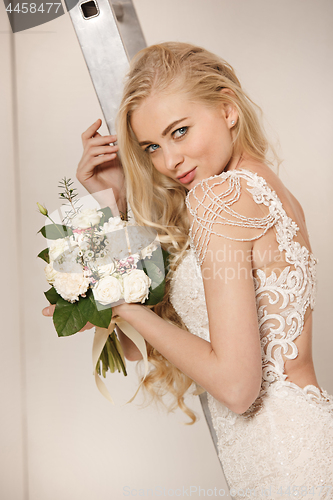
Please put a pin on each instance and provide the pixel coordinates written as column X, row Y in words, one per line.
column 165, row 132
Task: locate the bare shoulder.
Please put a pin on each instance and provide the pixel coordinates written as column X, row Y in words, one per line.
column 289, row 201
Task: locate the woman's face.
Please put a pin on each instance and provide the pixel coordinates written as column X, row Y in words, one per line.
column 187, row 141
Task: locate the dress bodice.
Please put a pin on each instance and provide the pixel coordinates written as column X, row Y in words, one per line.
column 281, row 299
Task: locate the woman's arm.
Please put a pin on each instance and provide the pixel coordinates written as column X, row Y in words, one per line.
column 228, row 367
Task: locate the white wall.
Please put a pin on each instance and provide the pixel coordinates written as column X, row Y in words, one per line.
column 59, row 438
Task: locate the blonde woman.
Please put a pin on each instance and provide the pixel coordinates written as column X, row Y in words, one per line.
column 237, row 314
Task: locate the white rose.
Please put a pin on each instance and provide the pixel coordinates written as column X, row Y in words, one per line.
column 86, row 218
column 148, row 251
column 71, row 285
column 136, row 286
column 50, row 273
column 60, row 246
column 108, row 290
column 106, row 269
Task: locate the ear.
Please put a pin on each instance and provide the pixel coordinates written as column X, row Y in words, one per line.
column 229, row 110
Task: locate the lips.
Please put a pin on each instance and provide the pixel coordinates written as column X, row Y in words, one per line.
column 185, row 179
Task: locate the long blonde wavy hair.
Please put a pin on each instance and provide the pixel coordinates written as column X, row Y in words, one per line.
column 158, row 201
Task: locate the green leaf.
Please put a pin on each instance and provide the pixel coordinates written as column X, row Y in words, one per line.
column 155, row 272
column 155, row 268
column 55, row 231
column 52, row 295
column 107, row 214
column 155, row 294
column 44, row 255
column 68, row 317
column 99, row 317
column 166, row 260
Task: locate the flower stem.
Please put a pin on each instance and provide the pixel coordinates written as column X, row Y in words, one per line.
column 56, row 225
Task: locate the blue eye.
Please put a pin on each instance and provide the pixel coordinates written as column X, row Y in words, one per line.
column 152, row 148
column 180, row 132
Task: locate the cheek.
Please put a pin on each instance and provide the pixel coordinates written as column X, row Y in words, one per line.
column 158, row 164
column 200, row 149
column 208, row 154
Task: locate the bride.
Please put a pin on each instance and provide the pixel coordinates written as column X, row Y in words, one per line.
column 236, row 318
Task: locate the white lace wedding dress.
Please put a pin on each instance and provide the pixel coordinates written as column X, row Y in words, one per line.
column 282, row 446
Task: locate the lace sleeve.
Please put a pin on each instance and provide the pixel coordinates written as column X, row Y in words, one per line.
column 225, row 205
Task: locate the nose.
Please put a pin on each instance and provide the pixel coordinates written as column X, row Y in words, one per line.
column 172, row 157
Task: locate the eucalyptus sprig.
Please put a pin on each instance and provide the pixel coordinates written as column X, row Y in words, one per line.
column 69, row 194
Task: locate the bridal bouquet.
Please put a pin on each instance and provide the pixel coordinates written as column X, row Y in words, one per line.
column 95, row 261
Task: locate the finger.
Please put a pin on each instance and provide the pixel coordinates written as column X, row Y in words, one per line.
column 96, row 156
column 102, row 140
column 102, row 150
column 91, row 133
column 88, row 326
column 92, row 130
column 48, row 311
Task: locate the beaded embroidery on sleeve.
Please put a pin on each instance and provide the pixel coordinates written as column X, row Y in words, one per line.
column 217, row 210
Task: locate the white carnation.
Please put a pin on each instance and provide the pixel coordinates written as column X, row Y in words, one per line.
column 71, row 285
column 136, row 286
column 86, row 218
column 108, row 290
column 50, row 273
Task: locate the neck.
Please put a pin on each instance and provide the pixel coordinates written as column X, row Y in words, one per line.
column 234, row 162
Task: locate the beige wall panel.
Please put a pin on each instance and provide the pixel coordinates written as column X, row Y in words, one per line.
column 12, row 422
